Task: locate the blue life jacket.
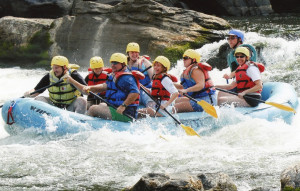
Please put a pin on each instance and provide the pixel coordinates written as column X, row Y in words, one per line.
column 114, row 94
column 187, row 80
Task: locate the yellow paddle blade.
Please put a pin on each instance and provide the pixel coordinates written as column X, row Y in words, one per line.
column 280, row 106
column 189, row 130
column 211, row 110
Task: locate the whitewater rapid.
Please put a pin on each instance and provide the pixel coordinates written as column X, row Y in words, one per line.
column 252, row 152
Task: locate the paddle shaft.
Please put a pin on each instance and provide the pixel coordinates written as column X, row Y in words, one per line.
column 177, row 121
column 146, row 69
column 37, row 91
column 193, row 99
column 109, row 104
column 234, row 93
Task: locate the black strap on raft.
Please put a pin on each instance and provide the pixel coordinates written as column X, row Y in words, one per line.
column 9, row 114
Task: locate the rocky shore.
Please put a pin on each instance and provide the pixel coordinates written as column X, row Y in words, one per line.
column 289, row 179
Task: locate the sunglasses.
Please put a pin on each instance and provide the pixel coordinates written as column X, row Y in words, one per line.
column 231, row 37
column 239, row 56
column 186, row 57
column 114, row 63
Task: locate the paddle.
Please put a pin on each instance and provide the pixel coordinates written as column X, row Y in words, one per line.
column 206, row 106
column 280, row 106
column 189, row 130
column 109, row 104
column 37, row 91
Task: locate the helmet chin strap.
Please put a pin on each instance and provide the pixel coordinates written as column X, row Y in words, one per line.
column 123, row 66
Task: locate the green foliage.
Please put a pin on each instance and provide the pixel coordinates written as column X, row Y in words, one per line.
column 36, row 51
column 175, row 52
column 288, row 188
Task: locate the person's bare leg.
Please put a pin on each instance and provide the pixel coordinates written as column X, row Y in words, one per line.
column 183, row 106
column 238, row 102
column 101, row 110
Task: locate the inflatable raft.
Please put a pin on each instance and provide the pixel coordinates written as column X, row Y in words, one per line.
column 26, row 113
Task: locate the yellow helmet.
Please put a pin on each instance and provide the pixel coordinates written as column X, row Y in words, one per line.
column 96, row 62
column 242, row 50
column 164, row 61
column 60, row 61
column 134, row 47
column 192, row 54
column 118, row 57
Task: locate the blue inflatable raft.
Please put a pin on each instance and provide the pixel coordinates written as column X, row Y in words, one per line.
column 26, row 113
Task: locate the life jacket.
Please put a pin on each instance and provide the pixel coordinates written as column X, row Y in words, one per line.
column 243, row 81
column 93, row 79
column 114, row 93
column 187, row 80
column 62, row 94
column 158, row 91
column 231, row 60
column 141, row 67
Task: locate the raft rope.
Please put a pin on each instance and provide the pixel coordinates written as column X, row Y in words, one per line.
column 9, row 114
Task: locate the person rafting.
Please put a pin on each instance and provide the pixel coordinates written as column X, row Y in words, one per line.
column 196, row 82
column 97, row 75
column 235, row 39
column 62, row 95
column 122, row 91
column 142, row 64
column 163, row 89
column 247, row 81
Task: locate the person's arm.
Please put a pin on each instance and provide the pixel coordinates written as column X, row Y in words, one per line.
column 198, row 77
column 129, row 86
column 227, row 86
column 169, row 86
column 45, row 81
column 258, row 86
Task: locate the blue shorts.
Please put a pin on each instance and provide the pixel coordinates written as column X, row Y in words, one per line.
column 144, row 98
column 197, row 107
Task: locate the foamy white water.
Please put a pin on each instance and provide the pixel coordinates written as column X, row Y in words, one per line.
column 252, row 152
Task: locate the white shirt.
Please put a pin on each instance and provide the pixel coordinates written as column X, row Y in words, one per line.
column 253, row 72
column 168, row 85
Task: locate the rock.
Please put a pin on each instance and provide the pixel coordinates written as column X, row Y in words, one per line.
column 220, row 60
column 101, row 29
column 36, row 8
column 246, row 7
column 174, row 182
column 20, row 30
column 290, row 178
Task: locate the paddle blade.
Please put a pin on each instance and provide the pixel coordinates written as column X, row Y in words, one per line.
column 189, row 130
column 280, row 106
column 211, row 110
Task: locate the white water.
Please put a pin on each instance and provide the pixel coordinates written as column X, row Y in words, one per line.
column 252, row 152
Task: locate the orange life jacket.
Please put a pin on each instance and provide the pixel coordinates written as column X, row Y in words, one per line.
column 158, row 91
column 243, row 81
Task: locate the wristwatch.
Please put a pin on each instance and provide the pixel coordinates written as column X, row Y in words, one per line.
column 124, row 105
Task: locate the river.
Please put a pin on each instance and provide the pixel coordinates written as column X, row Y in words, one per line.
column 252, row 152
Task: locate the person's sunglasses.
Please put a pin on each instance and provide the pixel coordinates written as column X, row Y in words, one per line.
column 186, row 57
column 231, row 37
column 239, row 56
column 114, row 63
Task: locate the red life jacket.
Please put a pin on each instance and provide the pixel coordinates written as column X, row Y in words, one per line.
column 137, row 75
column 158, row 91
column 243, row 81
column 94, row 80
